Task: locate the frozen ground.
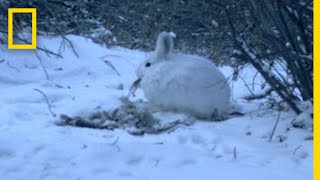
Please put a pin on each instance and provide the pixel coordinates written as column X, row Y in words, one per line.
column 33, row 147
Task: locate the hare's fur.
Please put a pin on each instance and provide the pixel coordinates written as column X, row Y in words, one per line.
column 183, row 83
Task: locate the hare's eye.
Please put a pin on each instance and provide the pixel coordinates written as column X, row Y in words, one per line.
column 148, row 64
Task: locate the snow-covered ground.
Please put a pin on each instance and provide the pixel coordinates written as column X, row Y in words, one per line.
column 33, row 147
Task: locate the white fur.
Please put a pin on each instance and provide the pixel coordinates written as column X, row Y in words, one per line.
column 183, row 83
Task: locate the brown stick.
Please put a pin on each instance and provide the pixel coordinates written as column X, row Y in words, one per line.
column 47, row 101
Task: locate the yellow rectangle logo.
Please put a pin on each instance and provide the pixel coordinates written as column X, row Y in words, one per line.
column 33, row 12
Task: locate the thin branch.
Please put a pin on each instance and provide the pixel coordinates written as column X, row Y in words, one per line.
column 112, row 67
column 43, row 68
column 275, row 126
column 47, row 101
column 13, row 67
column 246, row 84
column 259, row 96
column 115, row 141
column 296, row 149
column 38, row 48
column 235, row 153
column 71, row 45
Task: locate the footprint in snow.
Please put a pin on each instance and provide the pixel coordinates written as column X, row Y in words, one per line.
column 186, row 162
column 134, row 159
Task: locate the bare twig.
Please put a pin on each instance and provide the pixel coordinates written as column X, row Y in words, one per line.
column 112, row 67
column 254, row 79
column 296, row 149
column 214, row 147
column 246, row 84
column 48, row 52
column 259, row 96
column 115, row 142
column 235, row 153
column 43, row 68
column 275, row 126
column 13, row 67
column 156, row 162
column 47, row 101
column 71, row 45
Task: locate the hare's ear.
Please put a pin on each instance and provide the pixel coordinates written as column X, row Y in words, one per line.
column 164, row 44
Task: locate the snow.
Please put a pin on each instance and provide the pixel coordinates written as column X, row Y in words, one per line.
column 214, row 23
column 33, row 147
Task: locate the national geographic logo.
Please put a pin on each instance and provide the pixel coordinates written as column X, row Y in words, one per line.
column 33, row 12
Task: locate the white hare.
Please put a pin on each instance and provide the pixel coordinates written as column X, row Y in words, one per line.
column 183, row 83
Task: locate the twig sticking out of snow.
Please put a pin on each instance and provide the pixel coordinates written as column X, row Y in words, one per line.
column 246, row 84
column 65, row 39
column 44, row 69
column 275, row 126
column 112, row 67
column 12, row 67
column 296, row 149
column 48, row 52
column 156, row 163
column 47, row 101
column 115, row 141
column 235, row 153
